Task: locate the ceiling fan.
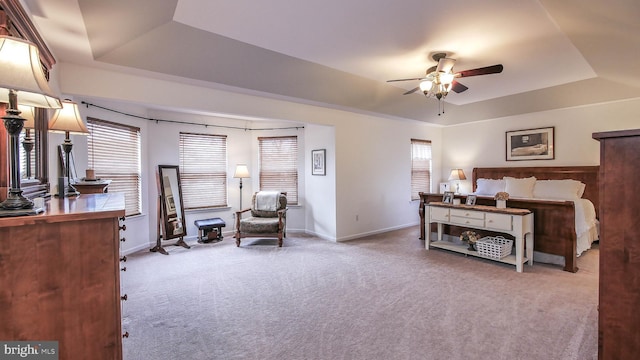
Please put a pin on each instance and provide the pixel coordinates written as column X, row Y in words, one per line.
column 440, row 79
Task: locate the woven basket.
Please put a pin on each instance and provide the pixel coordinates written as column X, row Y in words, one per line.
column 494, row 247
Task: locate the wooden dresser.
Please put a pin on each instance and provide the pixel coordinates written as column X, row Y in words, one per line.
column 60, row 276
column 619, row 299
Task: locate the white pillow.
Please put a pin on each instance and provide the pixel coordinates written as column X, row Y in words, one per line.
column 558, row 189
column 489, row 187
column 519, row 188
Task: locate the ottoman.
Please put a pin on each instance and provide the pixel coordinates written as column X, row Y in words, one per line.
column 210, row 229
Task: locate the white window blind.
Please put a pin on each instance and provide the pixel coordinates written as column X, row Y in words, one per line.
column 203, row 170
column 420, row 167
column 114, row 154
column 279, row 165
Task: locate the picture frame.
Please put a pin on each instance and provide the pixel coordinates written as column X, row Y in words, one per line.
column 444, row 187
column 530, row 144
column 447, row 198
column 471, row 200
column 318, row 162
column 63, row 163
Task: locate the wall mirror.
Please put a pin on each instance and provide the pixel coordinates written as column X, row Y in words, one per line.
column 172, row 208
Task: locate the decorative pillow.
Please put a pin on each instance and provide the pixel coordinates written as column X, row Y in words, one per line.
column 489, row 187
column 558, row 189
column 519, row 188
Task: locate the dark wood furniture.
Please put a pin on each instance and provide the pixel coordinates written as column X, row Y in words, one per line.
column 92, row 187
column 554, row 220
column 60, row 276
column 619, row 318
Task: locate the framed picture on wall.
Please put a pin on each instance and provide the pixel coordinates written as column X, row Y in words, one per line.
column 318, row 162
column 530, row 144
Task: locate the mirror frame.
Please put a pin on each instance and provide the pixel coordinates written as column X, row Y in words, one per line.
column 15, row 21
column 170, row 213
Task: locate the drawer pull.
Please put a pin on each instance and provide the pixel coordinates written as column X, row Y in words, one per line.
column 123, row 227
column 123, row 297
column 124, row 269
column 123, row 239
column 126, row 334
column 123, row 259
column 122, row 218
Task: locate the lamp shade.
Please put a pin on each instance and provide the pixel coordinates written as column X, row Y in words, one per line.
column 28, row 113
column 457, row 174
column 68, row 119
column 22, row 72
column 241, row 171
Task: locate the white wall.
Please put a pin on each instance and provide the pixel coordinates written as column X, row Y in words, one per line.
column 482, row 144
column 368, row 158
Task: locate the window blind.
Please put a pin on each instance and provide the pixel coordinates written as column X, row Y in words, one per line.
column 203, row 170
column 114, row 153
column 420, row 167
column 279, row 165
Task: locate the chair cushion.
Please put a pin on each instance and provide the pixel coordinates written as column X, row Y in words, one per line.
column 259, row 225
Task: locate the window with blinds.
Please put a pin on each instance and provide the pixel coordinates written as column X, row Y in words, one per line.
column 279, row 165
column 203, row 170
column 114, row 153
column 420, row 167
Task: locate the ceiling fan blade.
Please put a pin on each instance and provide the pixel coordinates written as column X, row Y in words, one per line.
column 445, row 65
column 457, row 87
column 493, row 69
column 420, row 78
column 412, row 91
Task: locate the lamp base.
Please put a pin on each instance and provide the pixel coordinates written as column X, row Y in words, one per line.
column 20, row 212
column 15, row 201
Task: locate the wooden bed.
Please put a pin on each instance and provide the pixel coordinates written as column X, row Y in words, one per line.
column 554, row 221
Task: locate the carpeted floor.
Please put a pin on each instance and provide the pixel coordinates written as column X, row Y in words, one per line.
column 380, row 297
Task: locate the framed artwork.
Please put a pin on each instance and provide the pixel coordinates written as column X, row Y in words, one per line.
column 447, row 198
column 530, row 144
column 318, row 161
column 471, row 200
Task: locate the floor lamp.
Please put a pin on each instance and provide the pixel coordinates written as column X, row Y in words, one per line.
column 242, row 172
column 21, row 74
column 67, row 120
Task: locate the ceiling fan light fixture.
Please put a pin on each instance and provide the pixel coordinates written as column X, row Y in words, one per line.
column 426, row 85
column 446, row 78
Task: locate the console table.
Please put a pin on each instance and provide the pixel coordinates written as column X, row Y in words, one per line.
column 515, row 222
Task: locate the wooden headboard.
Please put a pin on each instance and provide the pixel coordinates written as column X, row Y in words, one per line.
column 587, row 174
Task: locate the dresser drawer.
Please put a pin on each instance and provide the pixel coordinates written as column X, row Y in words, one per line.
column 469, row 214
column 499, row 221
column 465, row 221
column 439, row 214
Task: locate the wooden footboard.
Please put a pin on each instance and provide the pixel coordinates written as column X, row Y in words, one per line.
column 554, row 221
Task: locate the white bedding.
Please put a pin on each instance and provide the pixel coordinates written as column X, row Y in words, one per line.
column 586, row 225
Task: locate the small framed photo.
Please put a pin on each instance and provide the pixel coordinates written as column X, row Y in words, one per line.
column 448, row 197
column 471, row 200
column 318, row 160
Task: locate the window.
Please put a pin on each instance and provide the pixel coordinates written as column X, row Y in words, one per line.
column 279, row 165
column 420, row 167
column 203, row 170
column 114, row 153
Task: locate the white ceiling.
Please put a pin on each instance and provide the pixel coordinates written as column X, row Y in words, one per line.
column 339, row 53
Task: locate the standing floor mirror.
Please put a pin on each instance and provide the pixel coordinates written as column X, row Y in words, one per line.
column 170, row 208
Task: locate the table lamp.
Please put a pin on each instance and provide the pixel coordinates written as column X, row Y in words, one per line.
column 457, row 174
column 68, row 120
column 21, row 74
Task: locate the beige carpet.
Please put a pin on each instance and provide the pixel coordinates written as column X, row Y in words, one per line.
column 381, row 297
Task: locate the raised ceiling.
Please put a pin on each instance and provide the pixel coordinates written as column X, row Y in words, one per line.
column 339, row 53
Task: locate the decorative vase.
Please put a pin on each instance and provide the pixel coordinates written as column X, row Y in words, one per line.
column 501, row 204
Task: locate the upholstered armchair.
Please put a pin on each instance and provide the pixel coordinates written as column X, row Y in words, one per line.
column 268, row 217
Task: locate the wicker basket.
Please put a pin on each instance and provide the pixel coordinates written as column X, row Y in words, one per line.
column 494, row 247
